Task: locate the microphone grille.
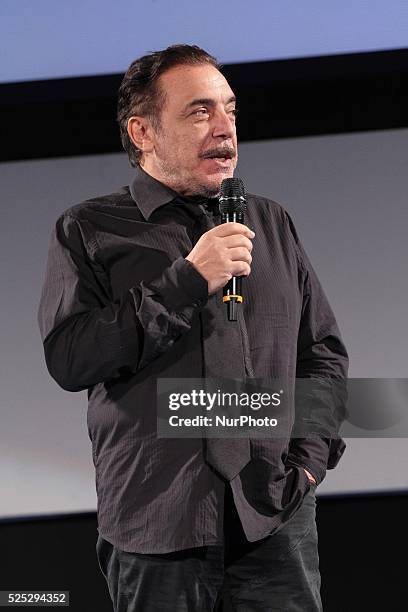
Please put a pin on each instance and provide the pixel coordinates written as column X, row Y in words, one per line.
column 232, row 196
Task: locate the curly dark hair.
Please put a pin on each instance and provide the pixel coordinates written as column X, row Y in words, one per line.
column 139, row 93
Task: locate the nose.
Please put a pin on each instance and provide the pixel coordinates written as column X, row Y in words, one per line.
column 224, row 124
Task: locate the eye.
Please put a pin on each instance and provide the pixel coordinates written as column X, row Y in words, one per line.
column 200, row 112
column 233, row 111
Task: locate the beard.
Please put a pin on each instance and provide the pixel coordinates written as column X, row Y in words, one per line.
column 189, row 185
column 172, row 175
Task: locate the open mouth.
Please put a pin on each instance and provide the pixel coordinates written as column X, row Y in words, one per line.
column 219, row 159
column 220, row 156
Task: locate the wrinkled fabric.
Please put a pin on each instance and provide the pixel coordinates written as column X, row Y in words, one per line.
column 121, row 307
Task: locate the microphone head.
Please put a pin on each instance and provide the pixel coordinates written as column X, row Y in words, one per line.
column 232, row 196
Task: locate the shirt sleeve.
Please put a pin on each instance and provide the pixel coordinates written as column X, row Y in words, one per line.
column 88, row 338
column 322, row 358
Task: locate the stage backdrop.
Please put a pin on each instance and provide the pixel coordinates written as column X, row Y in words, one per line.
column 347, row 196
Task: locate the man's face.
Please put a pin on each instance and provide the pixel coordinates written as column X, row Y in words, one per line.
column 195, row 147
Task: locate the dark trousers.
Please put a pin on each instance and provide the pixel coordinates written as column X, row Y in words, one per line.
column 279, row 573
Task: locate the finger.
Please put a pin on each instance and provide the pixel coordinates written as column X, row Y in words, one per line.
column 240, row 254
column 227, row 229
column 237, row 240
column 239, row 268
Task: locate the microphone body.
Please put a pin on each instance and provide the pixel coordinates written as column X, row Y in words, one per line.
column 232, row 203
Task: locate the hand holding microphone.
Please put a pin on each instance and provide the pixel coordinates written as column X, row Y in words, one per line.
column 221, row 253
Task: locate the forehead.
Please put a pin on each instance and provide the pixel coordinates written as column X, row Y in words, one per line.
column 182, row 84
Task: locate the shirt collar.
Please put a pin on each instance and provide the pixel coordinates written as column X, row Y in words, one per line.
column 149, row 194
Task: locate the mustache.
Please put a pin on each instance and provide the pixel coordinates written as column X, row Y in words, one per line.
column 228, row 152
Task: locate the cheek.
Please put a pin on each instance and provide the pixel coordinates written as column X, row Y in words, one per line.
column 188, row 146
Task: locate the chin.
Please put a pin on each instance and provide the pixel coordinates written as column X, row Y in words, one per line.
column 213, row 187
column 210, row 185
column 215, row 180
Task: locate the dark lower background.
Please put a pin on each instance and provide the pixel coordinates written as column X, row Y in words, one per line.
column 363, row 547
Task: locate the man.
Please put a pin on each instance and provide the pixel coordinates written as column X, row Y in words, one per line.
column 133, row 293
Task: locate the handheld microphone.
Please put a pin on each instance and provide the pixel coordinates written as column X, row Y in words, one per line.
column 232, row 204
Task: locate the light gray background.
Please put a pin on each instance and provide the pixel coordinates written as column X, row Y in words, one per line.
column 347, row 195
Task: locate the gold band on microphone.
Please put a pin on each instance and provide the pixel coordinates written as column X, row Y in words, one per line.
column 227, row 298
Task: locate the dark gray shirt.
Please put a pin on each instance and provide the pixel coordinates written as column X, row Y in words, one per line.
column 121, row 307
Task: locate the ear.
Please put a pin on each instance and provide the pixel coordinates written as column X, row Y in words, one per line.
column 140, row 133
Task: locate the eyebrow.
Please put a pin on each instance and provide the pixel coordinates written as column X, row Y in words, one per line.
column 206, row 101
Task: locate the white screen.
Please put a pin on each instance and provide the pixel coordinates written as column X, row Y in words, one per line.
column 47, row 39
